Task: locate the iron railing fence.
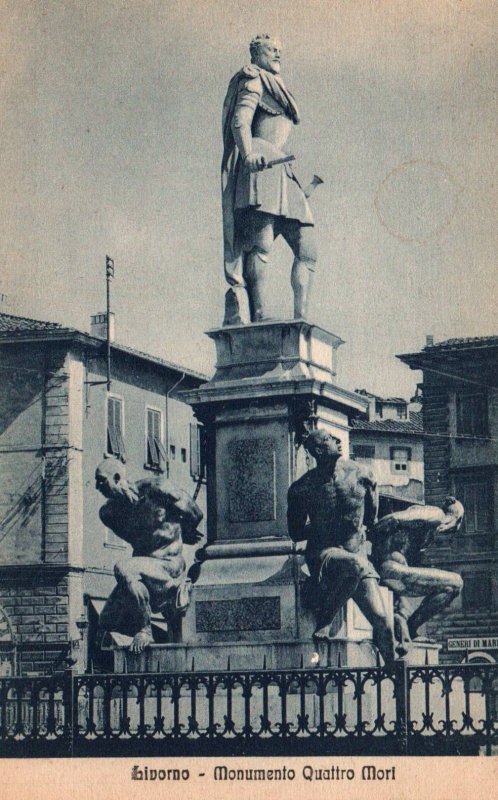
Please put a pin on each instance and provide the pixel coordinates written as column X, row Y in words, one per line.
column 423, row 710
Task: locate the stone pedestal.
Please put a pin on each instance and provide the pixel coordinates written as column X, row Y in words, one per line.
column 274, row 382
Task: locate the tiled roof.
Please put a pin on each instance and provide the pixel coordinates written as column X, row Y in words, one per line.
column 467, row 341
column 161, row 361
column 413, row 425
column 393, row 399
column 12, row 324
column 365, row 393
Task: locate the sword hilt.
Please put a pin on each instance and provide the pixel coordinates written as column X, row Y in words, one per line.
column 275, row 161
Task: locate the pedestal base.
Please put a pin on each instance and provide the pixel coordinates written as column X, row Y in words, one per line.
column 241, row 656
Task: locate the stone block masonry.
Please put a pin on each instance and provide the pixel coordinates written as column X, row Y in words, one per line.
column 37, row 608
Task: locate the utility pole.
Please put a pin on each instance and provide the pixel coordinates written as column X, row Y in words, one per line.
column 109, row 274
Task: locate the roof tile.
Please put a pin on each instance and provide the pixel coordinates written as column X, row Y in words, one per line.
column 413, row 425
column 466, row 341
column 9, row 323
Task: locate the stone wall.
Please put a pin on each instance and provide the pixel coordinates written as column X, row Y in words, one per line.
column 449, row 459
column 34, row 425
column 37, row 609
column 436, row 448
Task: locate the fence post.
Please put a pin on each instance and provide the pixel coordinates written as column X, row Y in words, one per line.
column 69, row 706
column 401, row 698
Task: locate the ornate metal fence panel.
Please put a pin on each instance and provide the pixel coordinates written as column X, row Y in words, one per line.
column 35, row 716
column 453, row 709
column 341, row 711
column 267, row 711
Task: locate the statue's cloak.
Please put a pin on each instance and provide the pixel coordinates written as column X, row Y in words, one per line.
column 230, row 163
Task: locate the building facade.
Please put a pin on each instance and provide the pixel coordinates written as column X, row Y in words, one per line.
column 57, row 422
column 460, row 414
column 390, row 439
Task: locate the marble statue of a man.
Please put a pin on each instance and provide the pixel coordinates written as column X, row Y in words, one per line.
column 332, row 507
column 260, row 201
column 399, row 541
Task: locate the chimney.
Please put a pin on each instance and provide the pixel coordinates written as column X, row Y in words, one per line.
column 98, row 325
column 371, row 403
column 429, row 341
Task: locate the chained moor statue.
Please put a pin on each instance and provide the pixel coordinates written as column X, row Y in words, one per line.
column 332, row 507
column 399, row 540
column 261, row 196
column 156, row 518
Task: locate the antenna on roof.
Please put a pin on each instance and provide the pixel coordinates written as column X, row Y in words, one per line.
column 109, row 275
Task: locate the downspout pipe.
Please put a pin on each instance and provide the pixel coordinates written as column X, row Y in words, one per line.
column 166, row 432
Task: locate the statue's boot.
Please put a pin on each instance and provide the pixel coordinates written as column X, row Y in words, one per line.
column 255, row 266
column 236, row 306
column 301, row 278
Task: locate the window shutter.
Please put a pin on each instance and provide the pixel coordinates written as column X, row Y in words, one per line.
column 155, row 448
column 195, row 451
column 477, row 498
column 472, row 414
column 115, row 442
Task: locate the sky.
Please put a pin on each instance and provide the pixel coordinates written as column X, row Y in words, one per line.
column 111, row 144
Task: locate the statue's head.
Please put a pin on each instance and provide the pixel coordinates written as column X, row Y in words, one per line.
column 323, row 446
column 455, row 509
column 110, row 478
column 265, row 52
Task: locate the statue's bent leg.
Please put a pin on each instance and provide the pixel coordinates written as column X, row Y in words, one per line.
column 257, row 235
column 340, row 574
column 438, row 588
column 369, row 601
column 441, row 589
column 398, row 576
column 114, row 615
column 301, row 239
column 139, row 578
column 402, row 611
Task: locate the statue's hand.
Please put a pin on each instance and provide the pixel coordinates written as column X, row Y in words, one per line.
column 191, row 536
column 254, row 162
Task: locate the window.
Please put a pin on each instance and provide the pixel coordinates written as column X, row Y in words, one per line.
column 362, row 451
column 172, row 452
column 7, row 646
column 476, row 591
column 475, row 492
column 471, row 414
column 155, row 452
column 400, row 459
column 197, row 451
column 184, row 455
column 115, row 442
column 402, row 411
